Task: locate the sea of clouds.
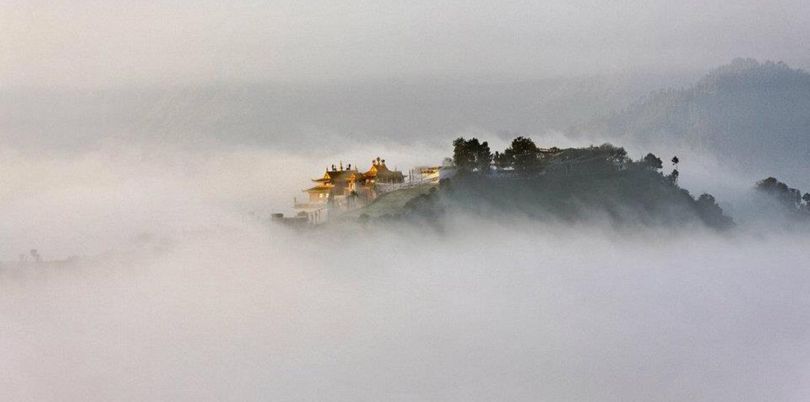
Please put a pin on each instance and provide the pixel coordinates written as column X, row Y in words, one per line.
column 183, row 291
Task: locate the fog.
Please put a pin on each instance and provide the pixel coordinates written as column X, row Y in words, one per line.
column 86, row 202
column 102, row 199
column 179, row 293
column 144, row 146
column 256, row 314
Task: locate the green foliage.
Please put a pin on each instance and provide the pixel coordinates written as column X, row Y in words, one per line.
column 673, row 177
column 502, row 161
column 462, row 157
column 524, row 156
column 787, row 200
column 603, row 160
column 471, row 155
column 653, row 162
column 576, row 183
column 613, row 155
column 711, row 213
column 483, row 157
column 787, row 196
column 631, row 196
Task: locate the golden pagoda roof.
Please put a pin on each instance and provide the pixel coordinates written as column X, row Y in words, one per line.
column 335, row 175
column 378, row 168
column 319, row 189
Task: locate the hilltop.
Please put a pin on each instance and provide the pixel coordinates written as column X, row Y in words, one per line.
column 570, row 185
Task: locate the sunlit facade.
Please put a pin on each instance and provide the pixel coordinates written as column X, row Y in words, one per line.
column 342, row 189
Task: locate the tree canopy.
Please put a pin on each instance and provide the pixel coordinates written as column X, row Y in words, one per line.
column 523, row 155
column 471, row 155
column 653, row 161
column 788, row 196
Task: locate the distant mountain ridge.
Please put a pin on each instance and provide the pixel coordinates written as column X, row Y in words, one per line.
column 754, row 116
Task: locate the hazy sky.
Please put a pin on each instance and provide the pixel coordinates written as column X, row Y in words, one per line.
column 103, row 43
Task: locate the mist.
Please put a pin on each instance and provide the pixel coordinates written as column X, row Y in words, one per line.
column 143, row 148
column 182, row 290
column 483, row 311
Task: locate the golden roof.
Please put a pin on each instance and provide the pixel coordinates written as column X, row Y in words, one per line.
column 319, row 189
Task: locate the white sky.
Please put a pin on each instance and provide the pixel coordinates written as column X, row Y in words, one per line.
column 103, row 43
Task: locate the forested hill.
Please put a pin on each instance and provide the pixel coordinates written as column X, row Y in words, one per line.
column 754, row 116
column 594, row 184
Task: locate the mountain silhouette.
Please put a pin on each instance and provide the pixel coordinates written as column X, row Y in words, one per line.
column 753, row 116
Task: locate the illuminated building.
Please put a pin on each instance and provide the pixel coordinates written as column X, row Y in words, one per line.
column 342, row 189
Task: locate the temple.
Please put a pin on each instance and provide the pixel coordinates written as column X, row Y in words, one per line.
column 379, row 173
column 344, row 189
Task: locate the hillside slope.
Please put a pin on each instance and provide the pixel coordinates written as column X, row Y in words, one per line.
column 753, row 116
column 596, row 184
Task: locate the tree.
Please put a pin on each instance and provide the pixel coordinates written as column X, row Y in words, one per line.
column 462, row 157
column 789, row 197
column 653, row 161
column 771, row 184
column 471, row 155
column 613, row 154
column 806, row 198
column 675, row 161
column 673, row 177
column 502, row 161
column 706, row 199
column 483, row 157
column 524, row 156
column 711, row 213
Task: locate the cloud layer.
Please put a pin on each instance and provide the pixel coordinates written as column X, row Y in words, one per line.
column 480, row 312
column 181, row 295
